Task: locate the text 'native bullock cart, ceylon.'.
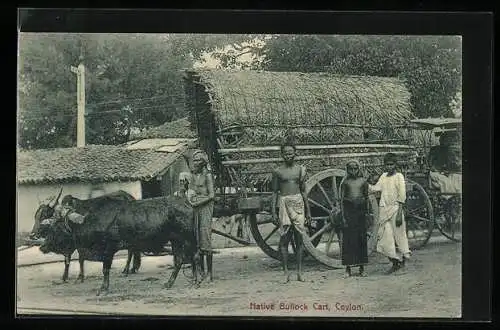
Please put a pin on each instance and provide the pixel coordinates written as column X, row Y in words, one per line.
column 241, row 118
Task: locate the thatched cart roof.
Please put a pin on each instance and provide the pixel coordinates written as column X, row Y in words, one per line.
column 260, row 108
column 295, row 98
column 431, row 123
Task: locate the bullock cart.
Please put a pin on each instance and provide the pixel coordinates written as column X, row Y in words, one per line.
column 241, row 118
column 439, row 171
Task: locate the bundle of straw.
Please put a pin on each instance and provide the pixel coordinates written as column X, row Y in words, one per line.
column 292, row 98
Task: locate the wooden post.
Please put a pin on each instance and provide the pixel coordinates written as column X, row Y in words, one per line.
column 80, row 98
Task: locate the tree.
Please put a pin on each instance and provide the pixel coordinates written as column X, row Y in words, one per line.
column 132, row 82
column 245, row 55
column 430, row 65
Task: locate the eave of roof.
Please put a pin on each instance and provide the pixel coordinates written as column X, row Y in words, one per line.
column 93, row 164
column 437, row 122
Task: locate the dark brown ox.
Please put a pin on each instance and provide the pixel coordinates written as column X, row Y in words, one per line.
column 65, row 244
column 141, row 225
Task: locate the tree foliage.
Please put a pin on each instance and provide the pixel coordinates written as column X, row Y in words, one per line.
column 430, row 65
column 132, row 82
column 245, row 55
column 135, row 81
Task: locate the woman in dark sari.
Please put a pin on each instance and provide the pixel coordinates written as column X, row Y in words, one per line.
column 354, row 201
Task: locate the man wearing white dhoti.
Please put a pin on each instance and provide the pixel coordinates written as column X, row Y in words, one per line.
column 289, row 197
column 392, row 226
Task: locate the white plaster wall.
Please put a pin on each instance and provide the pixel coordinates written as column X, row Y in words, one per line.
column 170, row 181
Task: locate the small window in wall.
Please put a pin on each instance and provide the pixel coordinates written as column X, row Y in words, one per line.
column 151, row 188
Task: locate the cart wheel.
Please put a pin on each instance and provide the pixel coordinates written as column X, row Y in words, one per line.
column 449, row 219
column 324, row 237
column 373, row 230
column 322, row 193
column 266, row 236
column 419, row 215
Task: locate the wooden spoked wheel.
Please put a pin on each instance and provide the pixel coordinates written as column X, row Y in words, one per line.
column 266, row 234
column 324, row 235
column 373, row 229
column 323, row 241
column 449, row 217
column 419, row 215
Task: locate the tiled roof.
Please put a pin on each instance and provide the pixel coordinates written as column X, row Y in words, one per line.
column 180, row 128
column 93, row 163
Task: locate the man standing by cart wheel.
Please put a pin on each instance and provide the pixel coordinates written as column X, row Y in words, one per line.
column 288, row 182
column 203, row 204
column 392, row 225
column 354, row 203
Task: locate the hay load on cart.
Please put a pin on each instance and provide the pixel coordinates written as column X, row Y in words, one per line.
column 242, row 117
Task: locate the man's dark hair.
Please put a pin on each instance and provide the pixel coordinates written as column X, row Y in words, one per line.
column 288, row 141
column 284, row 145
column 390, row 157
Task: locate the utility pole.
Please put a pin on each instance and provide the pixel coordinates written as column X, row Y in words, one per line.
column 80, row 99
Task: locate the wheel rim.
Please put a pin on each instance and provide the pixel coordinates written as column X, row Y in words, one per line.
column 323, row 189
column 373, row 230
column 450, row 218
column 419, row 215
column 323, row 239
column 266, row 236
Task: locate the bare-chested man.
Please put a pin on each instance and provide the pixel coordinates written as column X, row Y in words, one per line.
column 289, row 195
column 203, row 204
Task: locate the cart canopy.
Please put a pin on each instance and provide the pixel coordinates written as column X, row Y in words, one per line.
column 443, row 123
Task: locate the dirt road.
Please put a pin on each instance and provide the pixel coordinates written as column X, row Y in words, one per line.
column 248, row 283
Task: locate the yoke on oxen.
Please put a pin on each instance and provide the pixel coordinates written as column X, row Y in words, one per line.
column 69, row 214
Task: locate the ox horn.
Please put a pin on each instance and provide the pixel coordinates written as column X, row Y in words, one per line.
column 57, row 198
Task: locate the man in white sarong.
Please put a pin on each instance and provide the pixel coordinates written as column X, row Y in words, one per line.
column 289, row 195
column 392, row 226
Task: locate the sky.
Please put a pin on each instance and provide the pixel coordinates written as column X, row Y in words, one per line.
column 209, row 62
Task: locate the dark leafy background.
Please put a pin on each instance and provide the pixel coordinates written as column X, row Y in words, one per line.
column 135, row 81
